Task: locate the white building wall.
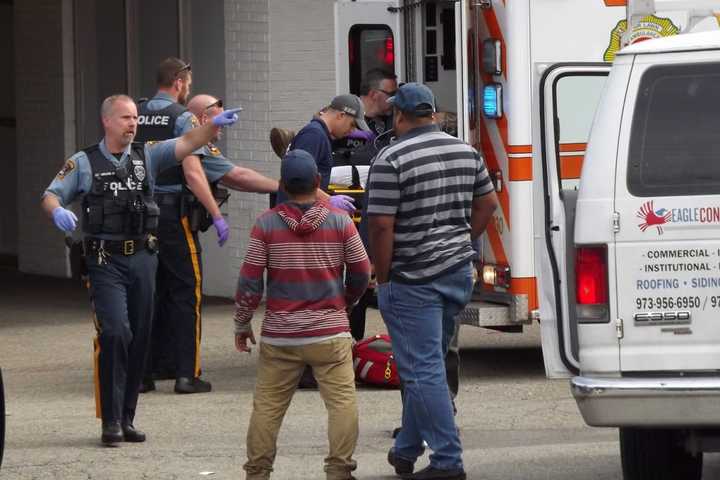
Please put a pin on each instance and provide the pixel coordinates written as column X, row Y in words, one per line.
column 280, row 69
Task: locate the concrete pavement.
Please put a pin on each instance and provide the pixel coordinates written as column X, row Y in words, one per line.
column 515, row 424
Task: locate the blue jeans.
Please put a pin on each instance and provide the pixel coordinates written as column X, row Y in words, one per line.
column 421, row 322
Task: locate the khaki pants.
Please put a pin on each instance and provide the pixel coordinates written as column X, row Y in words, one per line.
column 279, row 371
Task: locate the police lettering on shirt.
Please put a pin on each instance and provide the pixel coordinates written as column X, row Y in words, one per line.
column 159, row 120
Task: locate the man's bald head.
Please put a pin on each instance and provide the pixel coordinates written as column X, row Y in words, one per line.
column 205, row 107
column 199, row 103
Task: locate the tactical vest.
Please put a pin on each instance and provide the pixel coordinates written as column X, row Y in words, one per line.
column 119, row 200
column 157, row 124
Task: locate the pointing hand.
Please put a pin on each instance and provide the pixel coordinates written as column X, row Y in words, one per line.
column 226, row 118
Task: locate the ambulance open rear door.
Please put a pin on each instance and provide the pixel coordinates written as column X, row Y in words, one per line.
column 367, row 36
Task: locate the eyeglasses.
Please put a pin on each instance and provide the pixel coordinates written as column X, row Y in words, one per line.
column 217, row 103
column 184, row 68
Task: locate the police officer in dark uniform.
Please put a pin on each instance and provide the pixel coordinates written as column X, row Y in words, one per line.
column 116, row 179
column 185, row 210
column 176, row 340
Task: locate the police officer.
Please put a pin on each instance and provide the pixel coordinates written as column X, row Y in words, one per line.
column 185, row 208
column 115, row 180
column 176, row 341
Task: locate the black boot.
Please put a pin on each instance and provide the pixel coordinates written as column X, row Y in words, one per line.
column 432, row 473
column 111, row 433
column 191, row 385
column 147, row 385
column 131, row 434
column 402, row 466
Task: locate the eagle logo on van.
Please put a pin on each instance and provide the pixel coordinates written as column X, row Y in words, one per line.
column 652, row 217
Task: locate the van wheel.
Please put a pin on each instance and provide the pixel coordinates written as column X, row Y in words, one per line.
column 656, row 454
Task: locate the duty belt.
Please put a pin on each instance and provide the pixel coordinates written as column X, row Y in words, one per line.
column 118, row 247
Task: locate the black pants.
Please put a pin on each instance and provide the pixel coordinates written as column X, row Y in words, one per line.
column 177, row 327
column 358, row 314
column 122, row 293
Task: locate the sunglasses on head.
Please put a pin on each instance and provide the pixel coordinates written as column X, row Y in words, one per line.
column 217, row 103
column 184, row 68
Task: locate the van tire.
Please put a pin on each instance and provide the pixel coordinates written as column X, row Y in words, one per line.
column 657, row 454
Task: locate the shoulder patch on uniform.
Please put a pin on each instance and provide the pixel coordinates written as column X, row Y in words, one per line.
column 68, row 167
column 214, row 150
column 194, row 121
column 151, row 142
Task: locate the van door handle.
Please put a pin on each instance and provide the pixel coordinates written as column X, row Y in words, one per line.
column 555, row 228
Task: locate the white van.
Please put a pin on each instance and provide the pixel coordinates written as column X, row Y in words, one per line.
column 639, row 250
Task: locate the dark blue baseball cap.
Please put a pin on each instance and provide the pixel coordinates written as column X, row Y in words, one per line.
column 414, row 98
column 298, row 168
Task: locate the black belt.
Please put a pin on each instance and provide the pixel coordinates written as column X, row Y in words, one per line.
column 115, row 247
column 168, row 199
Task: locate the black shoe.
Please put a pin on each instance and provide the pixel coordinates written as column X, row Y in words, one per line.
column 402, row 466
column 191, row 385
column 432, row 473
column 130, row 434
column 147, row 385
column 111, row 433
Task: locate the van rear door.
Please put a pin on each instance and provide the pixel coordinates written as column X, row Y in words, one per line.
column 668, row 201
column 568, row 97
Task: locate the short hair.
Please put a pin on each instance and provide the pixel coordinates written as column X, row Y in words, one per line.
column 110, row 101
column 373, row 79
column 170, row 70
column 298, row 188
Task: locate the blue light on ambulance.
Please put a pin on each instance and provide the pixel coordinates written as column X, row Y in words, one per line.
column 492, row 100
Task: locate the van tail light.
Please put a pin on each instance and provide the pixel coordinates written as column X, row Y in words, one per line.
column 591, row 284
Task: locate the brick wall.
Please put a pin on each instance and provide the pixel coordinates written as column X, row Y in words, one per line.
column 42, row 115
column 280, row 68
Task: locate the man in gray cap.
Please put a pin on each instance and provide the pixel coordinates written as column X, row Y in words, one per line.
column 344, row 114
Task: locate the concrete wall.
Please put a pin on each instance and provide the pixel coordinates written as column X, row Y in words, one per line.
column 45, row 136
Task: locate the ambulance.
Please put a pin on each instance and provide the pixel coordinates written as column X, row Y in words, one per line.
column 608, row 230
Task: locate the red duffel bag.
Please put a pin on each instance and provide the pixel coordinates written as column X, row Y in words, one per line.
column 374, row 362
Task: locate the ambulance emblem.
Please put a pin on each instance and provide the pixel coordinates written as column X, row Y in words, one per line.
column 649, row 27
column 653, row 218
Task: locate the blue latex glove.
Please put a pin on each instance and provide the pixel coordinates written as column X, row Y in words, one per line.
column 223, row 230
column 64, row 219
column 343, row 202
column 362, row 135
column 226, row 118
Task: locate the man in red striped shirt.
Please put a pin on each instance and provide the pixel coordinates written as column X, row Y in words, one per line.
column 317, row 270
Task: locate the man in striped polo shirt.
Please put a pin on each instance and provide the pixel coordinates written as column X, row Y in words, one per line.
column 317, row 270
column 430, row 196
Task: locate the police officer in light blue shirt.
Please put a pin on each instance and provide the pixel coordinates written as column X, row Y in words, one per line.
column 115, row 180
column 175, row 350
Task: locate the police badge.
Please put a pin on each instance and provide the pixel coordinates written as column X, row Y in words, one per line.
column 139, row 171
